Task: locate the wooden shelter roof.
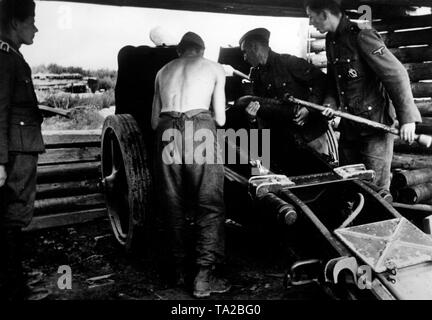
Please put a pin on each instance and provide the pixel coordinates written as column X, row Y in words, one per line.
column 288, row 8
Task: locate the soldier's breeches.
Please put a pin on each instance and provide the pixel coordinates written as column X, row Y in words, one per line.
column 19, row 192
column 375, row 152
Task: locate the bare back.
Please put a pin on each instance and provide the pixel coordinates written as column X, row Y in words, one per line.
column 188, row 83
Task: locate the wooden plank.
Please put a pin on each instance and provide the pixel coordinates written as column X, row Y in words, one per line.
column 419, row 71
column 292, row 8
column 68, row 172
column 417, row 3
column 411, row 161
column 46, row 110
column 425, row 108
column 315, row 34
column 68, row 188
column 317, row 45
column 319, row 60
column 65, row 219
column 57, row 139
column 74, row 203
column 422, row 89
column 415, row 148
column 412, row 55
column 69, row 155
column 401, row 23
column 408, row 38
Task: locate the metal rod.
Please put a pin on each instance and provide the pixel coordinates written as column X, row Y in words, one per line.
column 421, row 139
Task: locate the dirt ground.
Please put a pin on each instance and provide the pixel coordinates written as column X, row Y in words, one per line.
column 101, row 269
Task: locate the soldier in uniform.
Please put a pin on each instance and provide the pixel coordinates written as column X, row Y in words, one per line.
column 20, row 141
column 364, row 75
column 273, row 75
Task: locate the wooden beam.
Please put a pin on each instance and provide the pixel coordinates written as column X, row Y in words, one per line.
column 419, row 71
column 67, row 188
column 422, row 89
column 50, row 111
column 408, row 38
column 64, row 138
column 292, row 8
column 65, row 219
column 415, row 148
column 68, row 172
column 410, row 55
column 69, row 155
column 408, row 3
column 425, row 108
column 401, row 23
column 64, row 204
column 318, row 45
column 319, row 60
column 411, row 161
column 415, row 194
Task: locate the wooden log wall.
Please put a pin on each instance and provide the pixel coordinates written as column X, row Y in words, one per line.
column 409, row 38
column 68, row 189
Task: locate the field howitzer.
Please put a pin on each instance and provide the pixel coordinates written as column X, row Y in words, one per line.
column 422, row 139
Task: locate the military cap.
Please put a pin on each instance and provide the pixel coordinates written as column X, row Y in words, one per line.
column 191, row 38
column 256, row 33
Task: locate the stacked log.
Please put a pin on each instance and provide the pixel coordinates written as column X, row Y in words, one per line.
column 68, row 190
column 412, row 187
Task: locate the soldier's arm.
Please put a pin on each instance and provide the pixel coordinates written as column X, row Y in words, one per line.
column 392, row 74
column 157, row 104
column 218, row 96
column 6, row 80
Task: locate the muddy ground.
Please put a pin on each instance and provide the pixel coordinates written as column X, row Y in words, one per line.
column 256, row 264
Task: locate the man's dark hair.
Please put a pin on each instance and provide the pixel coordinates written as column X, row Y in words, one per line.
column 15, row 9
column 319, row 6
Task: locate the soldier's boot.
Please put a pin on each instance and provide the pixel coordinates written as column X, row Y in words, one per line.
column 3, row 266
column 15, row 284
column 206, row 283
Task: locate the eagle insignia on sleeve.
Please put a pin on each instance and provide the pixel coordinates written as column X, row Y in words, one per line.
column 379, row 51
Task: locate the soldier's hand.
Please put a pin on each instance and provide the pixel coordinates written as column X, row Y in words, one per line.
column 3, row 175
column 301, row 116
column 252, row 109
column 328, row 113
column 407, row 132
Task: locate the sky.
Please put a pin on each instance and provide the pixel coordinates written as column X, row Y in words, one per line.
column 90, row 36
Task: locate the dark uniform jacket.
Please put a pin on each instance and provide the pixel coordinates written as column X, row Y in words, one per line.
column 20, row 118
column 364, row 74
column 282, row 74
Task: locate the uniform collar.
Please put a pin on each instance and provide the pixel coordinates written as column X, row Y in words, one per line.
column 12, row 45
column 344, row 25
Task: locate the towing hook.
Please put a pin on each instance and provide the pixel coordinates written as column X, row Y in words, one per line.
column 295, row 277
column 391, row 270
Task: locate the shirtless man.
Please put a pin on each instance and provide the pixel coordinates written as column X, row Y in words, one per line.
column 189, row 92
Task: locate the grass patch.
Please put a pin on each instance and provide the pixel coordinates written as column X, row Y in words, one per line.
column 81, row 118
column 67, row 101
